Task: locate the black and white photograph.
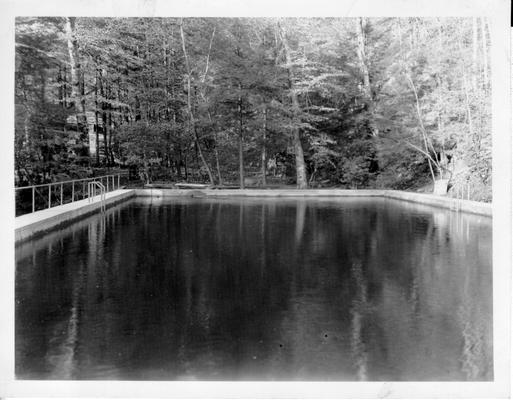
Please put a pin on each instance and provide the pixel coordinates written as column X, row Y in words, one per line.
column 208, row 200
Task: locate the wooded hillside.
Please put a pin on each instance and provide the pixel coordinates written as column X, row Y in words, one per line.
column 347, row 102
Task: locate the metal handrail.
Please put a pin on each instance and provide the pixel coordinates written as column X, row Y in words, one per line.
column 70, row 181
column 95, row 184
column 112, row 181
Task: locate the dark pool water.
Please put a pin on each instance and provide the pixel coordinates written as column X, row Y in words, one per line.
column 282, row 289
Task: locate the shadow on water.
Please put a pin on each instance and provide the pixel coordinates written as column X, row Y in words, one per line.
column 267, row 289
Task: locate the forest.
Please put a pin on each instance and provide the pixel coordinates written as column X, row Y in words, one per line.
column 396, row 103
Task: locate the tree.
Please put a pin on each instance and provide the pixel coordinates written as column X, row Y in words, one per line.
column 359, row 102
column 302, row 181
column 189, row 106
column 77, row 75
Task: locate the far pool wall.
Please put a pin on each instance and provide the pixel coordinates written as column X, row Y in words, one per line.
column 468, row 206
column 258, row 192
column 42, row 221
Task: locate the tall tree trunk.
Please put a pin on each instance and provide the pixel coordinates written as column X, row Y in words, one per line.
column 467, row 104
column 165, row 46
column 89, row 126
column 301, row 178
column 192, row 124
column 82, row 97
column 105, row 136
column 425, row 139
column 362, row 56
column 60, row 87
column 76, row 72
column 484, row 43
column 474, row 53
column 441, row 129
column 168, row 151
column 264, row 148
column 241, row 140
column 111, row 154
column 203, row 78
column 120, row 108
column 96, row 118
column 216, row 154
column 42, row 74
column 180, row 161
column 216, row 151
column 103, row 93
column 26, row 132
column 185, row 164
column 361, row 25
column 64, row 87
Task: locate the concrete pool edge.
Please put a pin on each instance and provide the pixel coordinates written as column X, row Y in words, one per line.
column 29, row 225
column 468, row 206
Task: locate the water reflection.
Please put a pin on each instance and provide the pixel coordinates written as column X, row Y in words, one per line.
column 358, row 309
column 353, row 289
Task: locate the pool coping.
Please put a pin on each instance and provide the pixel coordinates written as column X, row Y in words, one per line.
column 469, row 206
column 39, row 222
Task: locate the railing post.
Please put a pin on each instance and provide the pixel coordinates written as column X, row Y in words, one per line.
column 33, row 198
column 72, row 191
column 107, row 179
column 49, row 195
column 61, row 193
column 118, row 180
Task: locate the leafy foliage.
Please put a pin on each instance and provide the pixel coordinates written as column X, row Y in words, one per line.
column 374, row 102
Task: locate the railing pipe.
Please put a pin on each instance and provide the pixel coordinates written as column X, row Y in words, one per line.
column 64, row 182
column 92, row 187
column 108, row 185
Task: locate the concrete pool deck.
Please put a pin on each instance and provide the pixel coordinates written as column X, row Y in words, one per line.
column 42, row 221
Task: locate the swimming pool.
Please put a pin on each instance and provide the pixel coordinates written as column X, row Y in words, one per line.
column 258, row 289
